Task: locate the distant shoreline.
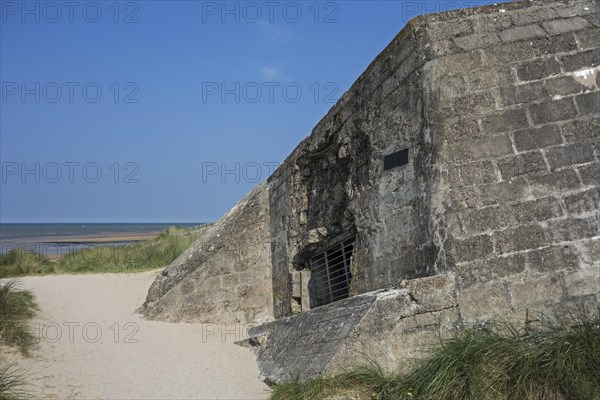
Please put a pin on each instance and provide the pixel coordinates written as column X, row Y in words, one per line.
column 66, row 238
column 56, row 246
column 88, row 239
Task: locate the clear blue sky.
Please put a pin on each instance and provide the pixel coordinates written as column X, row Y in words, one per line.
column 170, row 111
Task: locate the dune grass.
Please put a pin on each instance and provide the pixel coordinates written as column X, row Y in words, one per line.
column 17, row 307
column 555, row 361
column 18, row 262
column 12, row 383
column 148, row 254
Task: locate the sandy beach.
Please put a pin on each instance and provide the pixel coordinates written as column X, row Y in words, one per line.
column 93, row 346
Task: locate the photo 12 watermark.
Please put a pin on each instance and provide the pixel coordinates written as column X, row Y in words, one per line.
column 235, row 251
column 236, row 172
column 224, row 333
column 54, row 12
column 269, row 92
column 412, row 9
column 68, row 172
column 252, row 12
column 88, row 332
column 69, row 92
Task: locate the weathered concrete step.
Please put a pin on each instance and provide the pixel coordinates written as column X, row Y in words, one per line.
column 328, row 337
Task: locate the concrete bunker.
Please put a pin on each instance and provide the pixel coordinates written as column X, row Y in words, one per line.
column 457, row 179
column 463, row 163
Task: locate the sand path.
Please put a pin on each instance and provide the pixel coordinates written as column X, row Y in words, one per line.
column 130, row 358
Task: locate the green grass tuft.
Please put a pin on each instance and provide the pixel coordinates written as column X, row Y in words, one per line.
column 19, row 262
column 17, row 307
column 554, row 361
column 12, row 383
column 148, row 254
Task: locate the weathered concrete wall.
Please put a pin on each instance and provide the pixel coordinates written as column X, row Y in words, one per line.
column 333, row 185
column 225, row 276
column 513, row 110
column 499, row 107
